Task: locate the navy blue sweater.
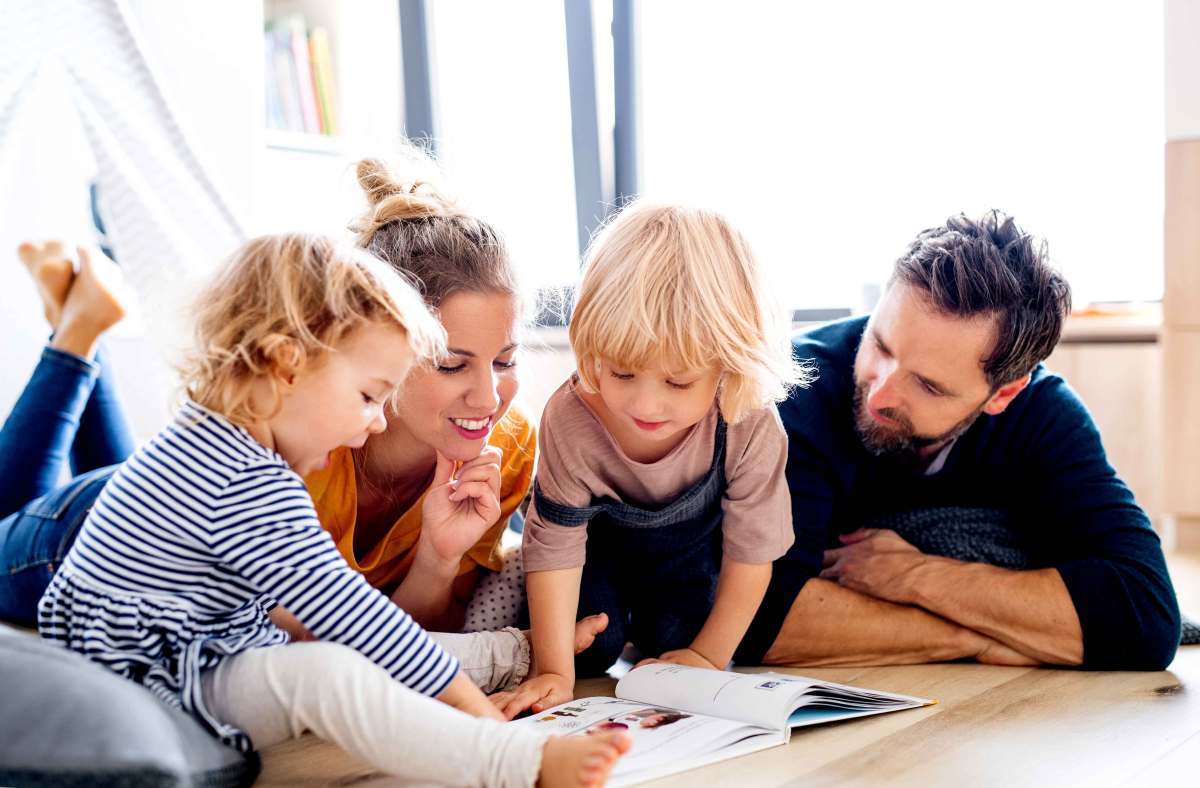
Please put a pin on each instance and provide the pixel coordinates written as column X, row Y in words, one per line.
column 1041, row 460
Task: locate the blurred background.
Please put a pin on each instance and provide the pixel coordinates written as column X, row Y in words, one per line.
column 830, row 132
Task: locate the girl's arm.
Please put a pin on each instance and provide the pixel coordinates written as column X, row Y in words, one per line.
column 740, row 590
column 553, row 605
column 463, row 695
column 264, row 528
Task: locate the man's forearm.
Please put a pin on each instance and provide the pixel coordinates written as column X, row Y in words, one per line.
column 831, row 625
column 1030, row 611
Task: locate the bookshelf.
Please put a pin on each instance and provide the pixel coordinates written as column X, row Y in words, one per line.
column 304, row 177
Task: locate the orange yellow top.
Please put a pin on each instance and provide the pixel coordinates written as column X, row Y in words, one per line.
column 335, row 496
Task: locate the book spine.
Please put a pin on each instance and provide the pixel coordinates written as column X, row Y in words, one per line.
column 322, row 63
column 304, row 78
column 274, row 102
column 285, row 77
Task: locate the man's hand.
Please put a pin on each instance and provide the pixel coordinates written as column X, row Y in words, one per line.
column 538, row 694
column 459, row 507
column 681, row 656
column 876, row 562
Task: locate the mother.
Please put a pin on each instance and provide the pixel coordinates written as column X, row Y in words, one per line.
column 372, row 501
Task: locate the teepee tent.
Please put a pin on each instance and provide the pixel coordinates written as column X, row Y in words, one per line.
column 80, row 102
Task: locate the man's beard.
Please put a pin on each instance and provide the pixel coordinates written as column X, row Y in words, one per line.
column 901, row 442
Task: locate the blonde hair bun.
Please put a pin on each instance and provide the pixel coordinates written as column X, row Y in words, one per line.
column 412, row 225
column 391, row 199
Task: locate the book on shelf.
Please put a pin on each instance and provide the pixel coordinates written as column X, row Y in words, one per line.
column 322, row 66
column 300, row 93
column 681, row 718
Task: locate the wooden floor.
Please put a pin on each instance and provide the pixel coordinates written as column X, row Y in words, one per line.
column 992, row 726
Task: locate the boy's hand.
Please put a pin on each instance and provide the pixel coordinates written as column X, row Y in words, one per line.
column 681, row 656
column 538, row 694
column 463, row 695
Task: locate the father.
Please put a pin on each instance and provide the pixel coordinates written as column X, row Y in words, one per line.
column 950, row 496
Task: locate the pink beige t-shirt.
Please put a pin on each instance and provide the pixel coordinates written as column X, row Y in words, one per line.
column 580, row 461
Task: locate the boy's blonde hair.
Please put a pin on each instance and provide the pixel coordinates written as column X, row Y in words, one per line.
column 680, row 285
column 280, row 303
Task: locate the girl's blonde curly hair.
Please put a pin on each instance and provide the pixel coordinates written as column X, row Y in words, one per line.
column 279, row 304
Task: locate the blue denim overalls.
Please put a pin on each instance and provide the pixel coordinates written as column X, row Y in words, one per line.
column 654, row 572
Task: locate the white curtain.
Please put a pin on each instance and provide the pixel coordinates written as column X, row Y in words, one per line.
column 78, row 99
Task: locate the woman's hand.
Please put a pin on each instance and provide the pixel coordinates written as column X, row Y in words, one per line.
column 459, row 507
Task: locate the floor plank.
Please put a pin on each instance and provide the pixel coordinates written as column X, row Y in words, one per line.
column 991, row 726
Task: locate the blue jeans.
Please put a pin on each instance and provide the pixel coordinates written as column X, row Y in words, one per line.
column 68, row 414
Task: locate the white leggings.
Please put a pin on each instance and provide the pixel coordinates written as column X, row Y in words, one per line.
column 278, row 693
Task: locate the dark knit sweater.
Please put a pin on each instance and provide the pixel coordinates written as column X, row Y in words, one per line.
column 1041, row 461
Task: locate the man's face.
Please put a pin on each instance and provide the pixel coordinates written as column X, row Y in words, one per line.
column 918, row 375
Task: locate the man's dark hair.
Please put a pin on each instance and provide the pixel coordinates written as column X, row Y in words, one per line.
column 989, row 266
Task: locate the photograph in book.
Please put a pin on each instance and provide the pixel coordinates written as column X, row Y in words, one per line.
column 681, row 718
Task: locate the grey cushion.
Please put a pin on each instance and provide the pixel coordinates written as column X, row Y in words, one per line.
column 66, row 721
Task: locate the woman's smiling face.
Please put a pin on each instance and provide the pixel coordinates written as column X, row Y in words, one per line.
column 452, row 407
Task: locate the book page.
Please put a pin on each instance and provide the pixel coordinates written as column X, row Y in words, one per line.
column 763, row 699
column 718, row 693
column 665, row 740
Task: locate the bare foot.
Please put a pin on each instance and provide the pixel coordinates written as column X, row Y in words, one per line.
column 94, row 304
column 52, row 272
column 586, row 630
column 582, row 761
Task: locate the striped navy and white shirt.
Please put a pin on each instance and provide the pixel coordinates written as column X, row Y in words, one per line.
column 190, row 545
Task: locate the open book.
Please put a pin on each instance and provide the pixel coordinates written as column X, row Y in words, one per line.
column 681, row 718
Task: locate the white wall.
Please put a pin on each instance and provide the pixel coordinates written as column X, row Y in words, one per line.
column 1182, row 18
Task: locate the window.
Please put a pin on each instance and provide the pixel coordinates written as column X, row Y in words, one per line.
column 834, row 132
column 504, row 126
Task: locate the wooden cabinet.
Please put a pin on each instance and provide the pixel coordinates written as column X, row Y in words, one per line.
column 1122, row 385
column 1181, row 339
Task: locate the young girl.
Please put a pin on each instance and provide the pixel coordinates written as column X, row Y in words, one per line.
column 300, row 345
column 660, row 496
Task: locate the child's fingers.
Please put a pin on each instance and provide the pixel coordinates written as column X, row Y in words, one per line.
column 548, row 700
column 522, row 699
